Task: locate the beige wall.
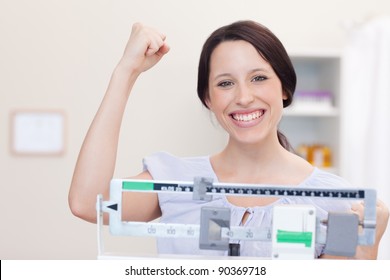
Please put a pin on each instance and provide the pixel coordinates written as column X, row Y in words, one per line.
column 59, row 55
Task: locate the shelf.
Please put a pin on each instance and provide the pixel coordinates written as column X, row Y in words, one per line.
column 311, row 112
column 314, row 116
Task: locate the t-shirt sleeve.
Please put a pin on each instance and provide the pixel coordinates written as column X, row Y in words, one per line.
column 165, row 166
column 161, row 165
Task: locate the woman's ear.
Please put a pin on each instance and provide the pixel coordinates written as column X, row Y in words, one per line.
column 208, row 104
column 285, row 95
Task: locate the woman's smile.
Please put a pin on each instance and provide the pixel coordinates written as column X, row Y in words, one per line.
column 247, row 118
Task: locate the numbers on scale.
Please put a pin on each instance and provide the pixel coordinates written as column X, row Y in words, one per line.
column 249, row 234
column 152, row 230
column 269, row 234
column 171, row 231
column 190, row 232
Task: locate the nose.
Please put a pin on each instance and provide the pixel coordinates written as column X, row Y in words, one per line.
column 244, row 96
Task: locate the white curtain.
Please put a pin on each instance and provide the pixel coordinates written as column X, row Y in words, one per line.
column 365, row 104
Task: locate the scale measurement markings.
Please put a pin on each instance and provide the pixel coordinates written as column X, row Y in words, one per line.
column 162, row 229
column 193, row 230
column 242, row 190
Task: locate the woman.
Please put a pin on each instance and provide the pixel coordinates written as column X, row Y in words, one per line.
column 245, row 78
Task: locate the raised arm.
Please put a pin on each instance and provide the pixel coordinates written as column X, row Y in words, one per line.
column 96, row 162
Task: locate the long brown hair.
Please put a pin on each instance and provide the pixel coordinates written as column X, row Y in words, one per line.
column 267, row 45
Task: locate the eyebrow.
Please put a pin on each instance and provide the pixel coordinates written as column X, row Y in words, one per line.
column 250, row 72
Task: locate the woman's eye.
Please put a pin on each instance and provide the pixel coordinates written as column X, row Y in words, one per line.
column 259, row 78
column 225, row 84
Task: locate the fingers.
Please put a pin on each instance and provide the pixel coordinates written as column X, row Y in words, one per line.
column 157, row 46
column 358, row 208
column 154, row 40
column 381, row 210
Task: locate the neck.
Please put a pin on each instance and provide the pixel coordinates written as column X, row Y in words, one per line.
column 251, row 162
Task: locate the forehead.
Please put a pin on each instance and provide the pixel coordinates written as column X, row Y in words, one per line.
column 236, row 55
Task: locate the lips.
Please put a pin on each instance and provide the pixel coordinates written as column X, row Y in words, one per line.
column 247, row 116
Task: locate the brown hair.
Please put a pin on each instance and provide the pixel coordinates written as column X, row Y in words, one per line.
column 267, row 45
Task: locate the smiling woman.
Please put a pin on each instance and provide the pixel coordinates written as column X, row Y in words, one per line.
column 245, row 78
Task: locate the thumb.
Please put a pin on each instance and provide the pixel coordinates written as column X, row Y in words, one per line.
column 164, row 49
column 358, row 208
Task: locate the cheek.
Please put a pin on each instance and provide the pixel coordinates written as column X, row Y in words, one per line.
column 272, row 95
column 220, row 106
column 217, row 101
column 279, row 95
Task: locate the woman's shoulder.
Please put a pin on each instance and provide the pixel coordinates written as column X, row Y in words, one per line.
column 163, row 158
column 166, row 166
column 323, row 178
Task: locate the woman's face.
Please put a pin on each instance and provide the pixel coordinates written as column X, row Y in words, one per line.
column 245, row 94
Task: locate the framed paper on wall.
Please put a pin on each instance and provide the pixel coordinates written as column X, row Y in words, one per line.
column 37, row 132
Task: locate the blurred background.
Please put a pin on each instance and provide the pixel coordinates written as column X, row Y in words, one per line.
column 56, row 59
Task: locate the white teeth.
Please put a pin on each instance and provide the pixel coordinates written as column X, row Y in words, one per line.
column 248, row 117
